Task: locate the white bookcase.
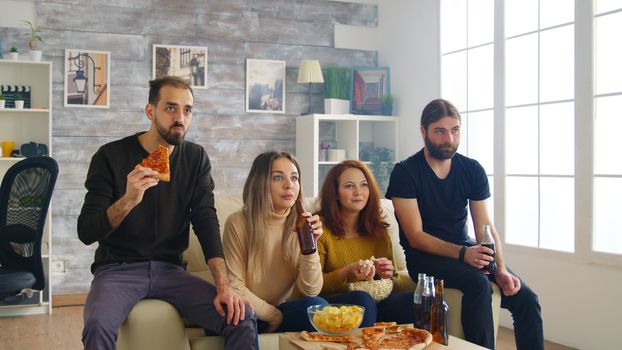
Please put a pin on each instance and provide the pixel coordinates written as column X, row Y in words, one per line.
column 23, row 126
column 363, row 137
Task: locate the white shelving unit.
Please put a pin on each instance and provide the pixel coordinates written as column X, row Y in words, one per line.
column 23, row 126
column 359, row 135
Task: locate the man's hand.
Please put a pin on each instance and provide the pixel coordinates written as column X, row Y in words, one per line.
column 384, row 267
column 225, row 295
column 478, row 256
column 508, row 283
column 138, row 181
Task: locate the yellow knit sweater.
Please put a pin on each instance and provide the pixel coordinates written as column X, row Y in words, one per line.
column 336, row 253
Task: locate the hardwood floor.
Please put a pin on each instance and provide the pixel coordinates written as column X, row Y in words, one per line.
column 62, row 330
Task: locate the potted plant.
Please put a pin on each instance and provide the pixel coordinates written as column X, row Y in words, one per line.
column 337, row 88
column 386, row 104
column 2, row 101
column 13, row 54
column 35, row 55
column 18, row 103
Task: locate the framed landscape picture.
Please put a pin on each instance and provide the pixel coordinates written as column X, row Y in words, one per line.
column 186, row 62
column 87, row 78
column 369, row 84
column 265, row 86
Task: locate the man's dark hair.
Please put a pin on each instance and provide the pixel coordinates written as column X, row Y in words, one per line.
column 156, row 84
column 436, row 110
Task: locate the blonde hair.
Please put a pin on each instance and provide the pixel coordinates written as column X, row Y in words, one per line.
column 258, row 207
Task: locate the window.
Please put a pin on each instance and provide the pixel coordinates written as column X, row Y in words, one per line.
column 467, row 61
column 539, row 123
column 607, row 235
column 537, row 170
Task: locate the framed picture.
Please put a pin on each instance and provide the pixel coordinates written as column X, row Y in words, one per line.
column 186, row 62
column 87, row 78
column 265, row 86
column 369, row 84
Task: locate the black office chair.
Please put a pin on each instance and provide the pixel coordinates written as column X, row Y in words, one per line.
column 25, row 196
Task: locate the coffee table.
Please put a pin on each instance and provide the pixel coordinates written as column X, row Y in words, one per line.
column 285, row 343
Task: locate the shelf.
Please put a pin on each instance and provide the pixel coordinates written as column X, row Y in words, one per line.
column 25, row 110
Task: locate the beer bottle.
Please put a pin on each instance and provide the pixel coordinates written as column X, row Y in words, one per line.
column 417, row 306
column 427, row 299
column 304, row 231
column 489, row 242
column 439, row 316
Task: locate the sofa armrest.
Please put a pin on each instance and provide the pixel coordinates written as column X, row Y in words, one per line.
column 155, row 325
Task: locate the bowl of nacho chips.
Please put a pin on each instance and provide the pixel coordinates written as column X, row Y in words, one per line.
column 336, row 319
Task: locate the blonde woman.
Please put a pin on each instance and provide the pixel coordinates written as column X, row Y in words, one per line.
column 261, row 249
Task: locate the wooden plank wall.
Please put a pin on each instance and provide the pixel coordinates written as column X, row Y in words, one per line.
column 233, row 31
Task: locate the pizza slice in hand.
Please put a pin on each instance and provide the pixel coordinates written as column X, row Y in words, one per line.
column 158, row 161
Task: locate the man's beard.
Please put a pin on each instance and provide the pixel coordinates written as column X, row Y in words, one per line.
column 168, row 135
column 440, row 152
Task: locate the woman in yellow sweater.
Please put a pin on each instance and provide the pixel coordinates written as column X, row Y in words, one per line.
column 354, row 231
column 262, row 251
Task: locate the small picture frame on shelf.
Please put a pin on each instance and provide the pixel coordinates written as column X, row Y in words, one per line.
column 185, row 62
column 265, row 86
column 368, row 85
column 87, row 78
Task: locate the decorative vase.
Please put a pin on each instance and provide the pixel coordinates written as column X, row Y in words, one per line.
column 336, row 106
column 35, row 55
column 2, row 102
column 386, row 109
column 13, row 55
column 19, row 104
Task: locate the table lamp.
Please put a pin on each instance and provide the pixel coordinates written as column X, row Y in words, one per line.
column 310, row 72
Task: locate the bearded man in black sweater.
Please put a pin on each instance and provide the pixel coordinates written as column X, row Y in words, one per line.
column 142, row 227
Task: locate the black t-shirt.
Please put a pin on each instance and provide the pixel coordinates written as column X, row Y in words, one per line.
column 158, row 227
column 442, row 202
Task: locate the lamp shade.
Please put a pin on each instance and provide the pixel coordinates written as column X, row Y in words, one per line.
column 310, row 72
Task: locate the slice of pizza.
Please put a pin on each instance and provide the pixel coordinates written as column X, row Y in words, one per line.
column 385, row 324
column 420, row 338
column 158, row 161
column 372, row 335
column 308, row 336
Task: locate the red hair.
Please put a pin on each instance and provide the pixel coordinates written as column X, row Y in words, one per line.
column 370, row 221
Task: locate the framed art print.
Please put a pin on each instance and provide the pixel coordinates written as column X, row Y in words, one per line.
column 186, row 62
column 87, row 78
column 265, row 86
column 369, row 84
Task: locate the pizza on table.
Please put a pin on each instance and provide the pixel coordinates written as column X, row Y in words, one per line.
column 384, row 335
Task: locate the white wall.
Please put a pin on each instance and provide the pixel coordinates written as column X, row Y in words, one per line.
column 581, row 301
column 16, row 10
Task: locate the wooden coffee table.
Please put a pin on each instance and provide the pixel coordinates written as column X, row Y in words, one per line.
column 291, row 341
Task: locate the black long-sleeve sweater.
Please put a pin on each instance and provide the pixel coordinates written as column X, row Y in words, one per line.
column 158, row 227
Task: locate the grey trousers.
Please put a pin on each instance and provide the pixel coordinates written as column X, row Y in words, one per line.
column 116, row 288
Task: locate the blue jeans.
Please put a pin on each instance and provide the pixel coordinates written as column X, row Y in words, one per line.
column 295, row 316
column 476, row 310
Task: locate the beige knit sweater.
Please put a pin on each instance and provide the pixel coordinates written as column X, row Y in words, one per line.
column 272, row 282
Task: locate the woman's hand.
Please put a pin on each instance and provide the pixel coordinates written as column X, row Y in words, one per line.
column 362, row 271
column 384, row 267
column 316, row 225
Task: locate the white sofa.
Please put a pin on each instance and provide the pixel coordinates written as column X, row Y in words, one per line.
column 155, row 324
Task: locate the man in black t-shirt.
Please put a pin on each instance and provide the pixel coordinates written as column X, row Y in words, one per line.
column 430, row 192
column 142, row 228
